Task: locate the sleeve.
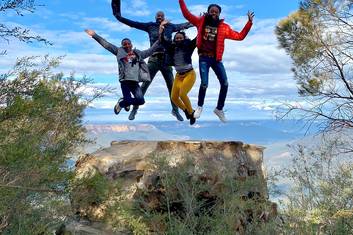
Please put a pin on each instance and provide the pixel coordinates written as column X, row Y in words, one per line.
column 178, row 27
column 165, row 43
column 187, row 14
column 193, row 43
column 146, row 53
column 234, row 35
column 116, row 7
column 104, row 43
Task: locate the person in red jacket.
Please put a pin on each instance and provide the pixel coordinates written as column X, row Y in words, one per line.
column 211, row 33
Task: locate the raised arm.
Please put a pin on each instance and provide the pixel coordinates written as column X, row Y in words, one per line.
column 116, row 6
column 231, row 34
column 146, row 53
column 234, row 35
column 110, row 47
column 165, row 43
column 187, row 14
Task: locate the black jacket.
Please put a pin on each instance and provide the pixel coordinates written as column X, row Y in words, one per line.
column 187, row 45
column 152, row 28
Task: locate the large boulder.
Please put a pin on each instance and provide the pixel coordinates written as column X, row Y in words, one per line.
column 137, row 169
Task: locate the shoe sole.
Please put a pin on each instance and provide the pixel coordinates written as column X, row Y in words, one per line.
column 197, row 115
column 132, row 116
column 224, row 121
column 116, row 111
column 181, row 119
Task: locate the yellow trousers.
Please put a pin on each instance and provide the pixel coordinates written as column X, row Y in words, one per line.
column 181, row 87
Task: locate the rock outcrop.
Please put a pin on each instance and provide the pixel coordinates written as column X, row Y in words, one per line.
column 139, row 170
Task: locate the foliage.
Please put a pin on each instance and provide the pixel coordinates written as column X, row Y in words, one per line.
column 22, row 34
column 317, row 38
column 19, row 32
column 320, row 197
column 40, row 126
column 187, row 199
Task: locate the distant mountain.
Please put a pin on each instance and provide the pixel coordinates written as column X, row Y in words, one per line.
column 262, row 132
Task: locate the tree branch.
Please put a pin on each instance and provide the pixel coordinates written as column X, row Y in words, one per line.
column 42, row 190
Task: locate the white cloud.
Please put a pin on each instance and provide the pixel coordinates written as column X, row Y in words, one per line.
column 258, row 72
column 135, row 8
column 197, row 9
column 104, row 24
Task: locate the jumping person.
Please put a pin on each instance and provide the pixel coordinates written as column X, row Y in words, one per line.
column 179, row 53
column 212, row 32
column 129, row 62
column 156, row 61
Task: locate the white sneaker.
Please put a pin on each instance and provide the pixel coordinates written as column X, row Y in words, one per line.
column 198, row 112
column 117, row 107
column 220, row 115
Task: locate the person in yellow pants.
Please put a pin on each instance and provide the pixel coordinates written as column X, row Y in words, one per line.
column 178, row 54
column 182, row 85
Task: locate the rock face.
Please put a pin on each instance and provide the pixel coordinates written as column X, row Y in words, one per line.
column 133, row 165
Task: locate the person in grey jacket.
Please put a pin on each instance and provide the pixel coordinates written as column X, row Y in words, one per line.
column 129, row 69
column 156, row 61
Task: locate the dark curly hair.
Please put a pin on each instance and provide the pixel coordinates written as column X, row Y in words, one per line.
column 214, row 5
column 128, row 39
column 180, row 32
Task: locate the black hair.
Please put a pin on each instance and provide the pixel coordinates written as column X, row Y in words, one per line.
column 125, row 39
column 214, row 5
column 180, row 32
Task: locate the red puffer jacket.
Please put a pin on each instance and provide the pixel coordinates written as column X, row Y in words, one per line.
column 224, row 30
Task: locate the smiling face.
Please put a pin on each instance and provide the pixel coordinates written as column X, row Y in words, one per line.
column 159, row 16
column 126, row 44
column 214, row 12
column 179, row 37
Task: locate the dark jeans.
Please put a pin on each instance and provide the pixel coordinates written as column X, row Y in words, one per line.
column 155, row 64
column 205, row 63
column 128, row 88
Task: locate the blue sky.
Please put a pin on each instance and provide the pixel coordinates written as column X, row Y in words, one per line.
column 258, row 71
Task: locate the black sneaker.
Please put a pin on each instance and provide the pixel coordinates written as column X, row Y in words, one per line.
column 176, row 114
column 117, row 107
column 192, row 119
column 133, row 114
column 127, row 108
column 187, row 115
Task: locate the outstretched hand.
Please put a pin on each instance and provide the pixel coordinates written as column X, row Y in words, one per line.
column 161, row 26
column 90, row 32
column 251, row 15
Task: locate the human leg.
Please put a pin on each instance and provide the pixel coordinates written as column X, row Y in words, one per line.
column 153, row 69
column 176, row 90
column 187, row 83
column 204, row 66
column 167, row 73
column 221, row 74
column 222, row 78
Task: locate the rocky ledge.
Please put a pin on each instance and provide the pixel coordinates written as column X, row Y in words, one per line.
column 157, row 176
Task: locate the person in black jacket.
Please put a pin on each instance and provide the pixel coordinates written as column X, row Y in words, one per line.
column 179, row 54
column 156, row 61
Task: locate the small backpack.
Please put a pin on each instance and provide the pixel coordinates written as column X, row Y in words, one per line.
column 144, row 73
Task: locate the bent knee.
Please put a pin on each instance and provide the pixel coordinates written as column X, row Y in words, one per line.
column 204, row 86
column 175, row 98
column 140, row 101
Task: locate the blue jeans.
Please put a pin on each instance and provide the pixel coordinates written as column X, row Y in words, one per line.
column 128, row 88
column 204, row 64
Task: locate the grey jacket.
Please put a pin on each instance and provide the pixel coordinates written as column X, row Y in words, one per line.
column 127, row 71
